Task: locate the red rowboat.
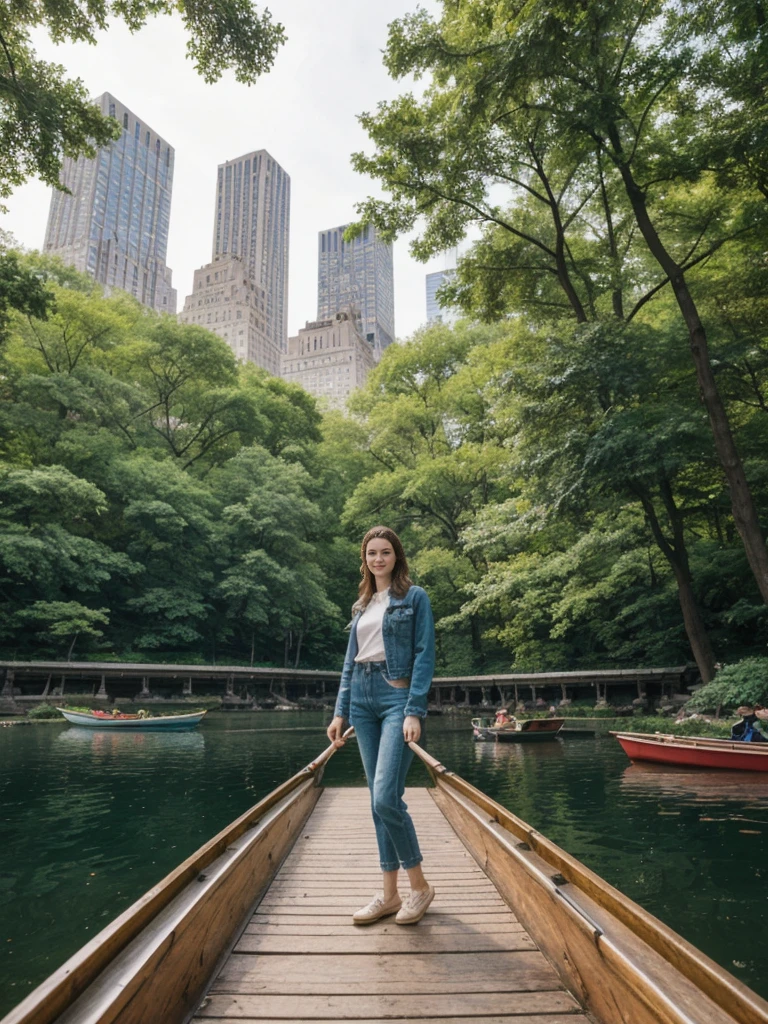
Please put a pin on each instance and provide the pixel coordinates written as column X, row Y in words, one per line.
column 698, row 751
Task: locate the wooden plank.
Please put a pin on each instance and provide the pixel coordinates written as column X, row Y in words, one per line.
column 373, row 874
column 362, row 1007
column 547, row 1018
column 363, row 940
column 450, row 910
column 479, row 921
column 324, row 974
column 316, row 906
column 433, row 927
column 362, row 888
column 341, row 865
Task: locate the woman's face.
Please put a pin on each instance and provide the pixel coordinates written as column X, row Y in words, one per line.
column 380, row 558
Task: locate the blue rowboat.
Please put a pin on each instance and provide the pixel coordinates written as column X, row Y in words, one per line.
column 168, row 722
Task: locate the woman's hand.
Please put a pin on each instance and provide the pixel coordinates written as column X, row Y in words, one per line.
column 335, row 732
column 412, row 729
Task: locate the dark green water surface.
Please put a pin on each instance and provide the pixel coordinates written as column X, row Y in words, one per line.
column 90, row 820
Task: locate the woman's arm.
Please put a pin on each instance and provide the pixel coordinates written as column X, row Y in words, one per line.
column 423, row 656
column 342, row 699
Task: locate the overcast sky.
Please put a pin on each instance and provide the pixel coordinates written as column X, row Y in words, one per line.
column 303, row 113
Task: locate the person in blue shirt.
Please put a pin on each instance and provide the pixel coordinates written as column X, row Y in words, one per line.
column 749, row 729
column 387, row 674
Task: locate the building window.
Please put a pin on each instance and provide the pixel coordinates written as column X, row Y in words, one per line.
column 125, row 120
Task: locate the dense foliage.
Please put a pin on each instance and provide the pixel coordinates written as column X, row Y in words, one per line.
column 156, row 499
column 746, row 682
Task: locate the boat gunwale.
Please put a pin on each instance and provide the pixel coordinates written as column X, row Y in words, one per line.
column 713, row 980
column 69, row 981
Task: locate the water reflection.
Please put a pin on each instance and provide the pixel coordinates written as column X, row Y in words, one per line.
column 127, row 743
column 695, row 786
column 518, row 753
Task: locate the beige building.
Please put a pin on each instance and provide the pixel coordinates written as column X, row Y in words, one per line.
column 227, row 302
column 329, row 358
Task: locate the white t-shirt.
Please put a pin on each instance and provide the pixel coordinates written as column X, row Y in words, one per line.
column 370, row 640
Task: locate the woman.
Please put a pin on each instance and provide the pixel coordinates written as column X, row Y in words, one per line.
column 383, row 693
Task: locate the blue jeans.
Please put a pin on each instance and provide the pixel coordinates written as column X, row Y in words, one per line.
column 376, row 712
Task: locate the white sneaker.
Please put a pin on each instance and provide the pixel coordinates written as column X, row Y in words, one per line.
column 378, row 907
column 415, row 906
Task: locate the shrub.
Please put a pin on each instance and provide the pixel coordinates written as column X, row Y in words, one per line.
column 43, row 711
column 745, row 682
column 688, row 727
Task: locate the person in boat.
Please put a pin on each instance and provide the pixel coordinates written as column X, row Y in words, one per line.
column 761, row 723
column 387, row 674
column 749, row 729
column 503, row 719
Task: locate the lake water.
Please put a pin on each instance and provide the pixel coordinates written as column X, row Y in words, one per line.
column 90, row 820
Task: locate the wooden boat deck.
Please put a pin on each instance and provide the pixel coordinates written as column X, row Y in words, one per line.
column 301, row 959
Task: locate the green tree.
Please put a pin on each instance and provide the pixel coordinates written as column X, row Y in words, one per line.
column 44, row 115
column 163, row 519
column 436, row 464
column 20, row 289
column 602, row 419
column 271, row 531
column 54, row 620
column 596, row 87
column 47, row 561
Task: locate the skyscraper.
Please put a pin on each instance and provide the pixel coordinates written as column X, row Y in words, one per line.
column 253, row 209
column 225, row 300
column 436, row 313
column 114, row 223
column 360, row 274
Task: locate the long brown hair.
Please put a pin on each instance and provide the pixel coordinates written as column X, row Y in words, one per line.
column 401, row 582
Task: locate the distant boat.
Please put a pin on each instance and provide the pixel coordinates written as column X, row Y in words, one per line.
column 530, row 730
column 104, row 721
column 696, row 751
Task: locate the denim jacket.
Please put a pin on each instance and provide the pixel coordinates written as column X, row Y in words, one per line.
column 408, row 630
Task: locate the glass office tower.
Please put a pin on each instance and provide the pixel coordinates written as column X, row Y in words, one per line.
column 435, row 312
column 114, row 223
column 359, row 274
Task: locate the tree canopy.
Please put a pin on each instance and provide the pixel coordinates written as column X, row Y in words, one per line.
column 45, row 115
